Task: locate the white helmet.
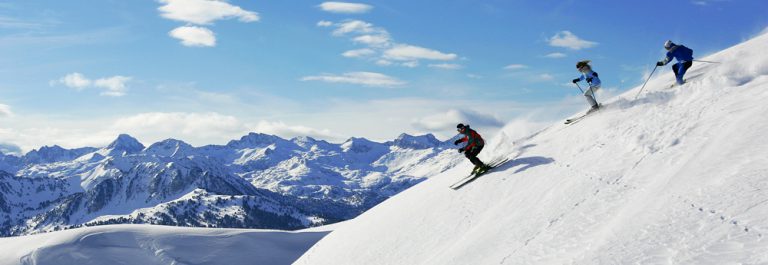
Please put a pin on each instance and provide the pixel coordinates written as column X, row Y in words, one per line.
column 668, row 44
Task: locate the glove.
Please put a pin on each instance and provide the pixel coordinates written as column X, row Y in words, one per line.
column 461, row 150
column 576, row 80
column 659, row 63
column 589, row 80
column 457, row 142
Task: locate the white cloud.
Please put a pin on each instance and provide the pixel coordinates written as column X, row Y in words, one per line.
column 5, row 111
column 555, row 55
column 324, row 23
column 381, row 39
column 358, row 78
column 405, row 52
column 15, row 23
column 192, row 36
column 544, row 77
column 114, row 86
column 203, row 12
column 161, row 125
column 515, row 67
column 446, row 66
column 76, row 81
column 706, row 2
column 355, row 27
column 10, row 149
column 447, row 121
column 376, row 119
column 475, row 76
column 287, row 131
column 196, row 128
column 345, row 8
column 569, row 40
column 358, row 53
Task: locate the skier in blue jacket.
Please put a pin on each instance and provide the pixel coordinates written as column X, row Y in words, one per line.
column 684, row 56
column 594, row 83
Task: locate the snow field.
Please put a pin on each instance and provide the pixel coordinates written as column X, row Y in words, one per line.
column 150, row 245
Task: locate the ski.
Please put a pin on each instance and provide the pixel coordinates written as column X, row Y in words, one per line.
column 575, row 119
column 578, row 118
column 466, row 180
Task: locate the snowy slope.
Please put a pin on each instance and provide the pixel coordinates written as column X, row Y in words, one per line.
column 156, row 245
column 678, row 176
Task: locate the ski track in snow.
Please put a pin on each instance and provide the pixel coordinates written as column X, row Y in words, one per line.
column 678, row 176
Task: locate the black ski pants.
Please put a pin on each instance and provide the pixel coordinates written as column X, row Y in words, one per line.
column 472, row 155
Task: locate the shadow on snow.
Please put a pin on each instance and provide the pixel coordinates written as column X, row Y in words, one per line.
column 526, row 162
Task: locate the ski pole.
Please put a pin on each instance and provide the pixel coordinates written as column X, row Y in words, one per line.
column 705, row 61
column 577, row 85
column 646, row 82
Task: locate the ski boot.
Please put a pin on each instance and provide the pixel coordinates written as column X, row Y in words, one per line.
column 593, row 109
column 476, row 169
column 482, row 169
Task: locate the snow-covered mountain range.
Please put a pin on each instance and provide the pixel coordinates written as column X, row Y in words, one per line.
column 258, row 181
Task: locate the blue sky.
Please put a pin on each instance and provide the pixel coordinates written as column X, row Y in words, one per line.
column 77, row 73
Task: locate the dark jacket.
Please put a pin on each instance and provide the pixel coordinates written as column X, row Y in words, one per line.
column 681, row 53
column 472, row 138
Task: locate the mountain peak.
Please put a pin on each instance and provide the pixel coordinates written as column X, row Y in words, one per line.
column 125, row 144
column 169, row 147
column 254, row 139
column 416, row 142
column 358, row 145
column 55, row 153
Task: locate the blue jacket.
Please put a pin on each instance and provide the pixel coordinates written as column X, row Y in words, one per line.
column 679, row 52
column 595, row 80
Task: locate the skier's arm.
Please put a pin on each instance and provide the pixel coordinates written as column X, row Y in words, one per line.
column 666, row 59
column 581, row 78
column 461, row 140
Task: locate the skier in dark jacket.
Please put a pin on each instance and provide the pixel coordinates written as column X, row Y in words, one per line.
column 474, row 145
column 684, row 56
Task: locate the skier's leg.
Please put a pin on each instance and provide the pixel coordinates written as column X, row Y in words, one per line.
column 682, row 70
column 591, row 101
column 674, row 69
column 472, row 155
column 590, row 98
column 483, row 167
column 679, row 72
column 477, row 152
